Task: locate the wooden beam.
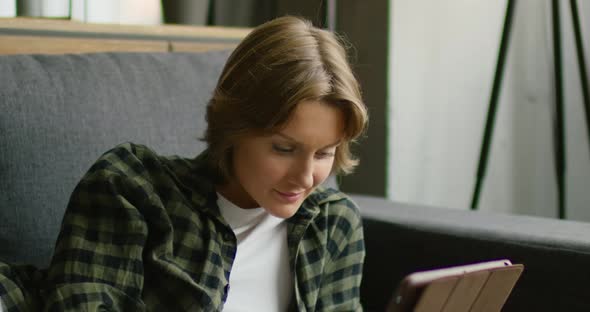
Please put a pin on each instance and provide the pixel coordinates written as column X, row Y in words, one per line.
column 190, row 33
column 52, row 45
column 179, row 46
column 51, row 36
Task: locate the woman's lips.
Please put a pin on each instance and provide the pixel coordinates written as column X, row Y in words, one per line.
column 290, row 197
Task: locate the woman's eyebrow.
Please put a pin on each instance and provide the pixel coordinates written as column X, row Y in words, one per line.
column 299, row 143
column 287, row 137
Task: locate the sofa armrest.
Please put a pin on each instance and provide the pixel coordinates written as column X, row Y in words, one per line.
column 402, row 238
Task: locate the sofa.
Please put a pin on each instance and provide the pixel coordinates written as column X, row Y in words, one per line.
column 60, row 112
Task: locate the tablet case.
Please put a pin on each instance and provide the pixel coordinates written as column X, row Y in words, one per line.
column 478, row 291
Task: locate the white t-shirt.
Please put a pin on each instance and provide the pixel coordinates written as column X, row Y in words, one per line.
column 260, row 278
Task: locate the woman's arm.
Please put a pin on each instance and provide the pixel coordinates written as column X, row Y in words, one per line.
column 97, row 263
column 19, row 287
column 340, row 290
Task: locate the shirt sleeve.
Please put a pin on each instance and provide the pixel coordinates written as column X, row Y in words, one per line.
column 341, row 280
column 97, row 264
column 12, row 296
column 18, row 287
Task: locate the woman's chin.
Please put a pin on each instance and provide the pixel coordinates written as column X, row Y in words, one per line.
column 283, row 211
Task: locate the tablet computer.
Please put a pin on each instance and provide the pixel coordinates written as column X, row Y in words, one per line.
column 483, row 286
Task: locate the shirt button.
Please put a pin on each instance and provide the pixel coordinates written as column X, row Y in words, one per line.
column 227, row 236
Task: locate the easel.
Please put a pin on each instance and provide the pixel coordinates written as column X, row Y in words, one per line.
column 560, row 163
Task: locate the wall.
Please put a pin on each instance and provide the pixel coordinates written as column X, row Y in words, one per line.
column 365, row 24
column 442, row 64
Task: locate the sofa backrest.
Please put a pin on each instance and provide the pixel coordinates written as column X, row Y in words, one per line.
column 59, row 113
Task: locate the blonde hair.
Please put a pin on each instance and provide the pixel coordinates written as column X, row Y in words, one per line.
column 278, row 65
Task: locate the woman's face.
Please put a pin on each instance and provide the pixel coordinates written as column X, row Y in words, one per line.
column 279, row 171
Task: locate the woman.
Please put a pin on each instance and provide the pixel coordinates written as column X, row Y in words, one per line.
column 245, row 226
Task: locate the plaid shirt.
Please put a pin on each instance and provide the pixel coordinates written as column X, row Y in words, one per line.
column 143, row 233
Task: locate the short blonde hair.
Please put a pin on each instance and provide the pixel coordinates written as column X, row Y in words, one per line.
column 278, row 65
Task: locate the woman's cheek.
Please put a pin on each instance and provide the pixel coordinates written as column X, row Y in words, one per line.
column 322, row 172
column 275, row 166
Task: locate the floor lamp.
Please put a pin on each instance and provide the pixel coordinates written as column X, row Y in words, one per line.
column 558, row 128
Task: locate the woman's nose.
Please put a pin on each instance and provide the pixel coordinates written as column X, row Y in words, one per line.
column 302, row 173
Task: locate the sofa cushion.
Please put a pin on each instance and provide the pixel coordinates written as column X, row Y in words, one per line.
column 60, row 112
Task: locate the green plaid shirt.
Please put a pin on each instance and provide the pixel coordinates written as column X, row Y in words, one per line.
column 143, row 233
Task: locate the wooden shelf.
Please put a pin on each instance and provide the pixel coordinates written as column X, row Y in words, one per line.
column 33, row 35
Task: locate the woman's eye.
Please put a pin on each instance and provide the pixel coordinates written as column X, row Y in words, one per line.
column 282, row 149
column 322, row 155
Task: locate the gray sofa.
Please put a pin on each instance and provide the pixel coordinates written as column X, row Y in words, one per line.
column 59, row 113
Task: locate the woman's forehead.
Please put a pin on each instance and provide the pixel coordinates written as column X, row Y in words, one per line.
column 315, row 122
